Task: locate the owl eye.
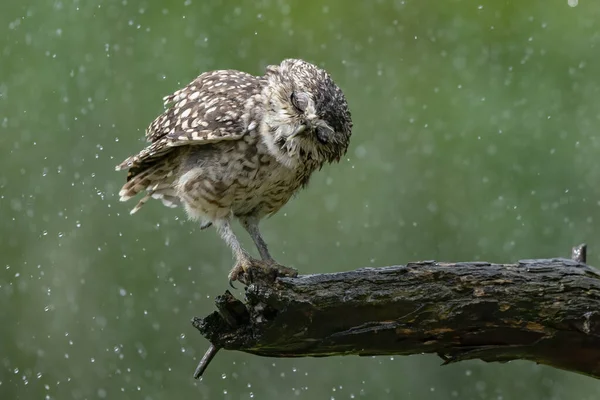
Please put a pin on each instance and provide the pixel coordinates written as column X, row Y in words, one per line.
column 323, row 134
column 299, row 101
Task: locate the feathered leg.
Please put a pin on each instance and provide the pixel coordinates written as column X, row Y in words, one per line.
column 251, row 226
column 243, row 259
column 269, row 265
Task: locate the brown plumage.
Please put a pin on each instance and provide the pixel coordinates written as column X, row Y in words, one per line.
column 235, row 145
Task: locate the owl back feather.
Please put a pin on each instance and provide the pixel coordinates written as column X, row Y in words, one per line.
column 157, row 179
column 212, row 108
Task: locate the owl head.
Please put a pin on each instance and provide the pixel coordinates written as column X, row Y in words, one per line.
column 306, row 116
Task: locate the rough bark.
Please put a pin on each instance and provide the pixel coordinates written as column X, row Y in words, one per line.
column 546, row 311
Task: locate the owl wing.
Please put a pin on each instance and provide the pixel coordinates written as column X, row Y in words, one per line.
column 212, row 108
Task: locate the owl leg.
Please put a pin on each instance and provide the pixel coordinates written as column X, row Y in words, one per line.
column 251, row 226
column 243, row 259
column 270, row 266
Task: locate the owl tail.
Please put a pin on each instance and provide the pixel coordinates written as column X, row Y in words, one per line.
column 157, row 180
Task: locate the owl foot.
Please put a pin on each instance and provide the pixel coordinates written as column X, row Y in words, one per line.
column 239, row 270
column 251, row 270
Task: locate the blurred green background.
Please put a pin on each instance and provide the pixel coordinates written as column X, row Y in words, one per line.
column 475, row 138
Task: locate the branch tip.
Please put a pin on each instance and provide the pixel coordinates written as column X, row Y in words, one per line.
column 206, row 359
column 579, row 253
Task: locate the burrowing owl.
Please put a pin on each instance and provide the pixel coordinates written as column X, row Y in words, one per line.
column 236, row 145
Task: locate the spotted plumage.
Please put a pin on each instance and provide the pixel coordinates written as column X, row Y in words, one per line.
column 234, row 145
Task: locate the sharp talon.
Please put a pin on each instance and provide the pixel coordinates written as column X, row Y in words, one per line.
column 240, row 272
column 205, row 225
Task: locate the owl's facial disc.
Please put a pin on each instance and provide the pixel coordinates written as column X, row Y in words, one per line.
column 306, row 118
column 314, row 130
column 311, row 126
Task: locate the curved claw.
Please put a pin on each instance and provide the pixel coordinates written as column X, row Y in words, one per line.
column 240, row 268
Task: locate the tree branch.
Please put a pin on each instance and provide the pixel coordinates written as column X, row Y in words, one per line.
column 546, row 311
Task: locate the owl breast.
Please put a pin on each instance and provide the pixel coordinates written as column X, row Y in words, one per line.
column 237, row 177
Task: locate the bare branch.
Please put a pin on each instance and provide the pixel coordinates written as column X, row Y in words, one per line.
column 546, row 311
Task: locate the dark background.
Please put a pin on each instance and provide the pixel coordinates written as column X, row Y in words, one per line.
column 475, row 138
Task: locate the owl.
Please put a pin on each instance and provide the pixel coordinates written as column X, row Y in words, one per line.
column 232, row 145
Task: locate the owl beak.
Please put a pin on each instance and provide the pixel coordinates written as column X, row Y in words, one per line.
column 299, row 130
